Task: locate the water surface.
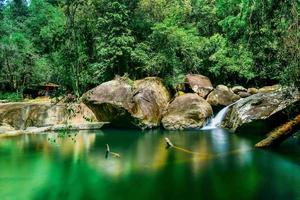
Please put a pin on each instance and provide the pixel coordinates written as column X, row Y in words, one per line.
column 214, row 164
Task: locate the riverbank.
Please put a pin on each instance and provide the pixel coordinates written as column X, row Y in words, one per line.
column 148, row 103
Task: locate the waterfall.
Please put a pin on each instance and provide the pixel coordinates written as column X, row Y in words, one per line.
column 216, row 121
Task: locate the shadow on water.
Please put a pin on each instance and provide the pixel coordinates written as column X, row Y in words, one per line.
column 223, row 166
column 289, row 149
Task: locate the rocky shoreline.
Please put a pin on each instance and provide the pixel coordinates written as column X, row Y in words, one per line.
column 127, row 103
column 147, row 103
column 34, row 117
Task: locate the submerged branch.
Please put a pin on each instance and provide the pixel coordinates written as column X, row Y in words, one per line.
column 205, row 155
column 108, row 152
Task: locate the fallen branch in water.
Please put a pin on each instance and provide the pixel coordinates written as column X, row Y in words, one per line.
column 280, row 134
column 169, row 144
column 108, row 152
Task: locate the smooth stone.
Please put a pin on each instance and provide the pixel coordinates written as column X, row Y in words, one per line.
column 188, row 111
column 222, row 96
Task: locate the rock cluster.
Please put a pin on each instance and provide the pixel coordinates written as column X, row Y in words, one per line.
column 222, row 96
column 147, row 103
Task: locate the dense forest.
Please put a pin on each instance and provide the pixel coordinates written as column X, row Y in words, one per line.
column 81, row 43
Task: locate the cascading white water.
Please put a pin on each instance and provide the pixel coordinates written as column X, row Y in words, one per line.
column 216, row 121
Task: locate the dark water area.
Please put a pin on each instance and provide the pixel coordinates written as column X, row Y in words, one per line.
column 211, row 164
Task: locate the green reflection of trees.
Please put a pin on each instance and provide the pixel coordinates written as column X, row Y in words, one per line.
column 37, row 169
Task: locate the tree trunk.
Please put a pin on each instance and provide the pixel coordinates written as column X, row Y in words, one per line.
column 280, row 134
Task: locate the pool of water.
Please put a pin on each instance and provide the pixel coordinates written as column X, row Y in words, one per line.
column 211, row 164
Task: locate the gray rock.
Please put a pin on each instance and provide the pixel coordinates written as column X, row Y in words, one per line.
column 199, row 84
column 244, row 94
column 267, row 89
column 5, row 128
column 127, row 103
column 26, row 114
column 84, row 126
column 222, row 96
column 188, row 111
column 238, row 89
column 262, row 112
column 111, row 101
column 252, row 90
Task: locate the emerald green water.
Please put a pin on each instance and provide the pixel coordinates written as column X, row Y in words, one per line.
column 223, row 166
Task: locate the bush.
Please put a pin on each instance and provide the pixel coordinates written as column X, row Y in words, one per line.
column 10, row 96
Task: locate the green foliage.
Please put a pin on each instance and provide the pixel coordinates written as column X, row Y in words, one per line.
column 170, row 51
column 115, row 41
column 19, row 10
column 226, row 62
column 17, row 57
column 81, row 43
column 46, row 25
column 10, row 96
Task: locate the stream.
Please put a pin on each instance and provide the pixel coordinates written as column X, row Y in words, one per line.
column 208, row 164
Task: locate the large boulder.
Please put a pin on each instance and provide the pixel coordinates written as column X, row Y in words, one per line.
column 188, row 111
column 199, row 84
column 111, row 101
column 222, row 96
column 262, row 112
column 40, row 114
column 149, row 101
column 127, row 103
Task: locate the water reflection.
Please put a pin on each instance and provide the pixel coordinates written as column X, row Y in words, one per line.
column 221, row 166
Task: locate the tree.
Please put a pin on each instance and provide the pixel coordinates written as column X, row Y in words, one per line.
column 17, row 53
column 19, row 10
column 17, row 57
column 81, row 43
column 115, row 40
column 1, row 6
column 45, row 26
